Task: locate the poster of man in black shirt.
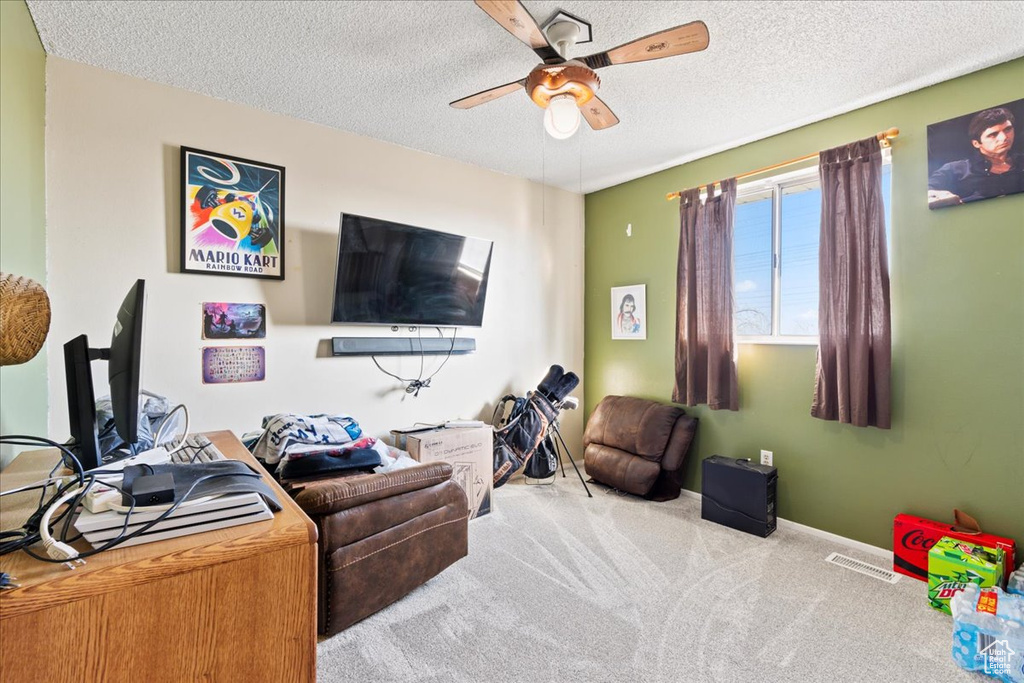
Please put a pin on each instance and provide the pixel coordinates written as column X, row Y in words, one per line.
column 974, row 157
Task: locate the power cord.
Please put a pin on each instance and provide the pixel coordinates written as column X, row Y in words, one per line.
column 41, row 484
column 59, row 550
column 28, row 534
column 37, row 528
column 167, row 421
column 413, row 386
column 64, row 549
column 28, row 440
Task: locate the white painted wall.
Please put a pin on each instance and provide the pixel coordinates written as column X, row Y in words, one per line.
column 112, row 186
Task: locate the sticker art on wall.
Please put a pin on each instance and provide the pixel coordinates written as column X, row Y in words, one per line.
column 229, row 364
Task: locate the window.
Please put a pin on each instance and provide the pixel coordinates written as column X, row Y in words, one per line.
column 775, row 256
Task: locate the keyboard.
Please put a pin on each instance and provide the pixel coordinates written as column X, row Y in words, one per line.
column 196, row 449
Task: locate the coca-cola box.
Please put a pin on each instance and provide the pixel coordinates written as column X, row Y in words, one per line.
column 913, row 537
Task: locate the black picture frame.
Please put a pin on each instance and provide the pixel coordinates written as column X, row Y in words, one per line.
column 232, row 216
column 962, row 168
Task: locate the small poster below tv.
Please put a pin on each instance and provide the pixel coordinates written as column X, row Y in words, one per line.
column 231, row 364
column 395, row 274
column 234, row 321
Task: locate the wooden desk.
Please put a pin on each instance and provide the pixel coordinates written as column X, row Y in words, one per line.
column 236, row 604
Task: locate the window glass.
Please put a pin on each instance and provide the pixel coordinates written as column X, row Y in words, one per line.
column 798, row 262
column 887, row 199
column 752, row 264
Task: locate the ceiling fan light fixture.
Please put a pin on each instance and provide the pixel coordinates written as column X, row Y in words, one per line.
column 559, row 77
column 562, row 117
column 572, row 78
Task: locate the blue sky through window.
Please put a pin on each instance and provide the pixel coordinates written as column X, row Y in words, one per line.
column 752, row 265
column 798, row 274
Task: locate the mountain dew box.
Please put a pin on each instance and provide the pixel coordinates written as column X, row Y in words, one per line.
column 953, row 564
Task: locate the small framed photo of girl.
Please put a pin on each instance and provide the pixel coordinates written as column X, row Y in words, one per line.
column 629, row 312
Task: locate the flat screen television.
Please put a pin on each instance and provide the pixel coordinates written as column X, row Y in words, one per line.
column 394, row 274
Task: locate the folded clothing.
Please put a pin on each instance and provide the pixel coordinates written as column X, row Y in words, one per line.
column 284, row 431
column 329, row 463
column 307, row 461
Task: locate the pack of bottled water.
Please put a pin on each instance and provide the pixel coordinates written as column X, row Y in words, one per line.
column 988, row 632
column 1016, row 582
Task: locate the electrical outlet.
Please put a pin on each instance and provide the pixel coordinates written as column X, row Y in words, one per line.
column 766, row 458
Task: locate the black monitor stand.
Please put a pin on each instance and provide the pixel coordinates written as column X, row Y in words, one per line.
column 78, row 359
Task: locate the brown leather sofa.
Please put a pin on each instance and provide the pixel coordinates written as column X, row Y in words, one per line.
column 638, row 445
column 381, row 536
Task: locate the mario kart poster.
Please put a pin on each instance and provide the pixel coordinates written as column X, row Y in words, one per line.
column 232, row 216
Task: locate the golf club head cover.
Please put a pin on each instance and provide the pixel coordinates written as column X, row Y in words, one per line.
column 547, row 385
column 564, row 387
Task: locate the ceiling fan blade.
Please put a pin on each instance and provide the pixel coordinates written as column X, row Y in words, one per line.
column 487, row 95
column 598, row 115
column 514, row 18
column 681, row 40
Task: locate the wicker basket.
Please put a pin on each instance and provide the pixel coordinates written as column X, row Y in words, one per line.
column 24, row 318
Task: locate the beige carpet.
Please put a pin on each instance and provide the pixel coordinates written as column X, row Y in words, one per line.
column 558, row 587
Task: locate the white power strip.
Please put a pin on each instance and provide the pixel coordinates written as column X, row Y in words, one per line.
column 114, row 471
column 462, row 424
column 100, row 498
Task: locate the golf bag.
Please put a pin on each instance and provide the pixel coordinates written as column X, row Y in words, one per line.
column 544, row 462
column 526, row 429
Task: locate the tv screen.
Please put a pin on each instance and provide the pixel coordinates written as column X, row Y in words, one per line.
column 394, row 274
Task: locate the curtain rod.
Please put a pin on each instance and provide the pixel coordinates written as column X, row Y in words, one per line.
column 882, row 137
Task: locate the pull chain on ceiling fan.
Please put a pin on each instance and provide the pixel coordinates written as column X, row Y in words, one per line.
column 567, row 88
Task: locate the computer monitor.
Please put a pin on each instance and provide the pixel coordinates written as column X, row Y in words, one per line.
column 124, row 369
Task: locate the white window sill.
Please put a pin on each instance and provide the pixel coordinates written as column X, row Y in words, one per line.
column 779, row 341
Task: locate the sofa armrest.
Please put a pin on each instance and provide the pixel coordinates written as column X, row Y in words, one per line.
column 335, row 495
column 679, row 443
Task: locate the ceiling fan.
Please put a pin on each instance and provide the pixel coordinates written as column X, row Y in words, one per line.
column 567, row 87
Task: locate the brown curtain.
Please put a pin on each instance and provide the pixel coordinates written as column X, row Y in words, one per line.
column 852, row 380
column 705, row 358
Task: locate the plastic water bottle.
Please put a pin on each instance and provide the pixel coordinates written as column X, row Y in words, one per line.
column 992, row 644
column 1016, row 582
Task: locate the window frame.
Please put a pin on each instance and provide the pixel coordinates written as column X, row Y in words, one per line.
column 776, row 184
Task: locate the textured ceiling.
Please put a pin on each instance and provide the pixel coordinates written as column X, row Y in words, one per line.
column 387, row 70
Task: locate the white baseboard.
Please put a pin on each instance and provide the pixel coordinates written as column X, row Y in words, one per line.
column 827, row 535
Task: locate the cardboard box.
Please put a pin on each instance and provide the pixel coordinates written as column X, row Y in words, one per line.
column 913, row 537
column 470, row 452
column 953, row 564
column 399, row 437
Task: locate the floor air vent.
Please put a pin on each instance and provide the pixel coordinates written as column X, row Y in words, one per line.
column 863, row 568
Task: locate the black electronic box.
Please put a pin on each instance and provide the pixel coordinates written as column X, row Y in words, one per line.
column 739, row 494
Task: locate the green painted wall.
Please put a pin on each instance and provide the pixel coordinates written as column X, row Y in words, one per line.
column 958, row 336
column 23, row 402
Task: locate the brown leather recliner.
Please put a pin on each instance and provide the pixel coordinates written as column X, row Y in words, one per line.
column 381, row 536
column 638, row 445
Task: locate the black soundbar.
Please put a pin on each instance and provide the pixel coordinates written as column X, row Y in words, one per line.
column 400, row 346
